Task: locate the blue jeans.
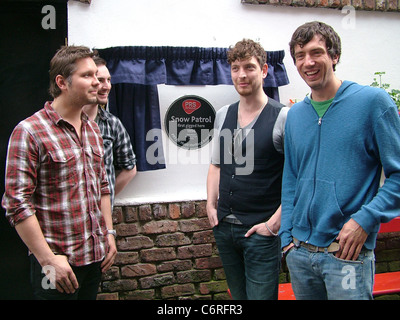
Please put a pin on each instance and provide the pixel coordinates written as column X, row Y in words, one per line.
column 322, row 276
column 251, row 264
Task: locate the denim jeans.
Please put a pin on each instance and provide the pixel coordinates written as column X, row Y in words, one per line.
column 251, row 264
column 322, row 276
column 88, row 278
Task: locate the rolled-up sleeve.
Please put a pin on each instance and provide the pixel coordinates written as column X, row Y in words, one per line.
column 21, row 176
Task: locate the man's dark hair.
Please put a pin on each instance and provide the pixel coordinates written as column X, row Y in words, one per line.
column 306, row 33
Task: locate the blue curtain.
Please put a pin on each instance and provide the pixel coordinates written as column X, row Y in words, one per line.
column 136, row 71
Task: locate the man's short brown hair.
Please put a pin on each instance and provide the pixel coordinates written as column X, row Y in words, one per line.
column 246, row 49
column 64, row 63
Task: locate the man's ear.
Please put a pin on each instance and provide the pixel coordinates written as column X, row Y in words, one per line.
column 265, row 70
column 335, row 60
column 61, row 82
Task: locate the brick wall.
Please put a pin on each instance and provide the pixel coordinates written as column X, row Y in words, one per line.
column 168, row 251
column 165, row 251
column 368, row 5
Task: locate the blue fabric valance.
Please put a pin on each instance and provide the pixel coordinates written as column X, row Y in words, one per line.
column 182, row 66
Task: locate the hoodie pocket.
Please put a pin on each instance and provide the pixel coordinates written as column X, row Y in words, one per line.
column 316, row 206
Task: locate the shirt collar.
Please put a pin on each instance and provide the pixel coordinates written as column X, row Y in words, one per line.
column 55, row 117
column 101, row 113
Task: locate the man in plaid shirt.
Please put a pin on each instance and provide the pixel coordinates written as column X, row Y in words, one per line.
column 57, row 193
column 118, row 152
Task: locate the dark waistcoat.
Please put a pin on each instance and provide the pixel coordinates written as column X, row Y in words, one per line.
column 251, row 178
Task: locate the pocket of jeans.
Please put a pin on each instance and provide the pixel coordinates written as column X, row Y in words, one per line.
column 289, row 251
column 356, row 262
column 263, row 236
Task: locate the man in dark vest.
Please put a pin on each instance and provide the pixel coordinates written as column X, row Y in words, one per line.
column 245, row 177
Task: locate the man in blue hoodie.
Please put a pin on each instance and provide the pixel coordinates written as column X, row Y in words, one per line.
column 336, row 143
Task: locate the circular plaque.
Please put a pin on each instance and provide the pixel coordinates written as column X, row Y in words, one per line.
column 189, row 122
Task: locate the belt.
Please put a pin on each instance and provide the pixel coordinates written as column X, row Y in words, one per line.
column 333, row 247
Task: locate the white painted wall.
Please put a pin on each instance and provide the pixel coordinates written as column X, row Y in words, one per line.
column 369, row 43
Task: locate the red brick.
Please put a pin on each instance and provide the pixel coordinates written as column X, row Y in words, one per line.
column 119, row 285
column 126, row 258
column 311, row 3
column 203, row 237
column 219, row 274
column 358, row 4
column 157, row 280
column 177, row 291
column 163, row 254
column 174, row 211
column 162, row 226
column 172, row 240
column 195, row 251
column 208, row 263
column 139, row 295
column 134, row 243
column 298, row 3
column 176, row 265
column 130, row 214
column 160, row 211
column 107, row 296
column 213, row 286
column 191, row 276
column 188, row 210
column 124, row 230
column 138, row 270
column 194, row 225
column 117, row 215
column 111, row 274
column 145, row 213
column 393, row 5
column 393, row 243
column 201, row 210
column 335, row 3
column 369, row 4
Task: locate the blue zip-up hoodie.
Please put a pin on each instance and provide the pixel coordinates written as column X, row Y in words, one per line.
column 333, row 166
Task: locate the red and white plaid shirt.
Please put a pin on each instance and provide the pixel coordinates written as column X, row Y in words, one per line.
column 60, row 179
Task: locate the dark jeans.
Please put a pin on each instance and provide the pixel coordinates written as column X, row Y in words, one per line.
column 88, row 278
column 251, row 264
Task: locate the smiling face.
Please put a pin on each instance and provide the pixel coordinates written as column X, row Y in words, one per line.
column 314, row 63
column 104, row 77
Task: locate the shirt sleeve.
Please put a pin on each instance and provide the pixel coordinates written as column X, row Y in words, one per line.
column 21, row 175
column 385, row 205
column 124, row 157
column 278, row 134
